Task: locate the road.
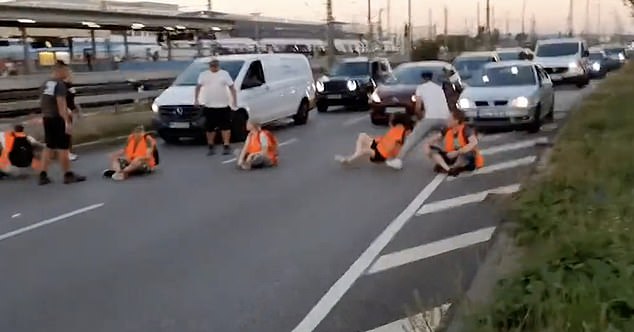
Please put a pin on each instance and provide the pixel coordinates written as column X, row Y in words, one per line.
column 201, row 246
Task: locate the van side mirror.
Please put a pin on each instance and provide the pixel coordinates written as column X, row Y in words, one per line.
column 586, row 53
column 530, row 56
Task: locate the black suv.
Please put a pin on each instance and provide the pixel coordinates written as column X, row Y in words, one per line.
column 351, row 82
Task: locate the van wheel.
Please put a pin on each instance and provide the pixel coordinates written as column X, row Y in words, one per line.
column 536, row 125
column 239, row 125
column 301, row 117
column 322, row 108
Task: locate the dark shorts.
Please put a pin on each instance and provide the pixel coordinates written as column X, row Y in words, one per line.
column 378, row 157
column 55, row 134
column 123, row 163
column 470, row 157
column 217, row 119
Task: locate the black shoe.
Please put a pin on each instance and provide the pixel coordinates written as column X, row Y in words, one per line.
column 226, row 150
column 44, row 179
column 439, row 169
column 108, row 173
column 71, row 177
column 211, row 151
column 454, row 171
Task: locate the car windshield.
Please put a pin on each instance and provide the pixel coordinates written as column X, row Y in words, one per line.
column 506, row 76
column 413, row 75
column 559, row 49
column 470, row 64
column 596, row 56
column 506, row 56
column 351, row 69
column 614, row 51
column 191, row 73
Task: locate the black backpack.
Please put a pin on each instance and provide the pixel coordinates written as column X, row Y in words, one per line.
column 22, row 153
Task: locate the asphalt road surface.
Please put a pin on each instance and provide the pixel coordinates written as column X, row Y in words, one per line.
column 201, row 246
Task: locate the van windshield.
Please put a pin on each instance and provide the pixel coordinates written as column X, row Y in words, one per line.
column 351, row 69
column 559, row 49
column 189, row 77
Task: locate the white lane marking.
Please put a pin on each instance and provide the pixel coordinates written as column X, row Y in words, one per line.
column 290, row 141
column 16, row 215
column 425, row 251
column 49, row 221
column 355, row 120
column 498, row 167
column 356, row 270
column 514, row 146
column 429, row 319
column 494, row 137
column 466, row 199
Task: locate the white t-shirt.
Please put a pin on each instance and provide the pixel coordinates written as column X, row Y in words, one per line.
column 434, row 100
column 214, row 91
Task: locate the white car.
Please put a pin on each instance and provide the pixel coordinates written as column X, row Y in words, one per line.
column 269, row 87
column 509, row 94
column 565, row 59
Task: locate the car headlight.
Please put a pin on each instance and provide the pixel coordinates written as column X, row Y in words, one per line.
column 375, row 97
column 320, row 86
column 521, row 102
column 573, row 65
column 621, row 56
column 155, row 108
column 464, row 103
column 352, row 85
column 596, row 66
column 413, row 98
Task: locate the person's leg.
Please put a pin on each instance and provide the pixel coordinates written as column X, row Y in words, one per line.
column 422, row 128
column 363, row 148
column 135, row 167
column 225, row 127
column 440, row 160
column 210, row 128
column 51, row 135
column 64, row 159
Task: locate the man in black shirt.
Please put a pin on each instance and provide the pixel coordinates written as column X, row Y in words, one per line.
column 57, row 124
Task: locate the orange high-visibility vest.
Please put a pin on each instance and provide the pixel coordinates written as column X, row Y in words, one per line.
column 388, row 144
column 135, row 150
column 450, row 144
column 255, row 146
column 9, row 138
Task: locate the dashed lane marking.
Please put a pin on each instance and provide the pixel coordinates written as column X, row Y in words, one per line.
column 341, row 286
column 49, row 221
column 425, row 251
column 290, row 141
column 514, row 146
column 466, row 199
column 498, row 167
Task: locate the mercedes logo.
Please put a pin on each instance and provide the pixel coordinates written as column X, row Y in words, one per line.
column 179, row 110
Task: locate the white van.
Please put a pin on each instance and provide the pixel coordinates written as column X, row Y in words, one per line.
column 565, row 60
column 269, row 87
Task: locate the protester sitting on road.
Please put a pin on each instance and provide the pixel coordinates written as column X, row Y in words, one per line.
column 19, row 152
column 380, row 149
column 260, row 148
column 454, row 149
column 140, row 156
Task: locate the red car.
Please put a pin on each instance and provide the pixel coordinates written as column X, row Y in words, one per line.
column 396, row 94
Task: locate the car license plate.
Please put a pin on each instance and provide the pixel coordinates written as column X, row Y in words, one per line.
column 555, row 77
column 334, row 96
column 489, row 114
column 394, row 110
column 179, row 125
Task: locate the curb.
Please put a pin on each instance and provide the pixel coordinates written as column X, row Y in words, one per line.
column 102, row 142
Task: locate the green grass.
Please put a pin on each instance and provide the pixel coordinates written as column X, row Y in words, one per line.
column 576, row 228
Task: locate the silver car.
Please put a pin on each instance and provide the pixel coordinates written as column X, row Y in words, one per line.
column 509, row 94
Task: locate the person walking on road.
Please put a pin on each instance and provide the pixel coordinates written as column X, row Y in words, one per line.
column 432, row 117
column 212, row 95
column 57, row 124
column 72, row 107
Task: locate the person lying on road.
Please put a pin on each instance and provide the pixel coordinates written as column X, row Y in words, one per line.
column 380, row 149
column 19, row 153
column 454, row 149
column 140, row 156
column 260, row 148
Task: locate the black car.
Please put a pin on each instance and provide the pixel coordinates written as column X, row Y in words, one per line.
column 599, row 63
column 351, row 82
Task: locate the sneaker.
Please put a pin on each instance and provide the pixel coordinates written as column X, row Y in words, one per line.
column 44, row 179
column 454, row 171
column 226, row 150
column 211, row 151
column 72, row 156
column 71, row 177
column 118, row 176
column 341, row 159
column 108, row 173
column 394, row 163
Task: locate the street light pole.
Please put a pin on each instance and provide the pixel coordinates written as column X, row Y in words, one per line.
column 410, row 39
column 370, row 28
column 330, row 21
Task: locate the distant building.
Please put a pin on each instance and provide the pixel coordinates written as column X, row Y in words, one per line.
column 147, row 7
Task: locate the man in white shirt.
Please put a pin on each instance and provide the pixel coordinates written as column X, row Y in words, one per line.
column 434, row 116
column 212, row 93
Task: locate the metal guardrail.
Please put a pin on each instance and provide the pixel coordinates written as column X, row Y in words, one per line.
column 9, row 109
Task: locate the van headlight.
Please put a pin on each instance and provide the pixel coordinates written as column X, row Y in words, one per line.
column 596, row 66
column 521, row 102
column 413, row 98
column 155, row 108
column 464, row 103
column 621, row 56
column 573, row 65
column 320, row 86
column 375, row 97
column 352, row 85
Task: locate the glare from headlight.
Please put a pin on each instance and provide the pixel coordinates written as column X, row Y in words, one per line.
column 521, row 102
column 573, row 65
column 352, row 85
column 413, row 99
column 621, row 56
column 375, row 97
column 596, row 66
column 320, row 86
column 155, row 108
column 464, row 103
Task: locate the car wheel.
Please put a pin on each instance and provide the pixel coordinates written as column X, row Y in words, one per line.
column 536, row 125
column 322, row 108
column 301, row 117
column 239, row 125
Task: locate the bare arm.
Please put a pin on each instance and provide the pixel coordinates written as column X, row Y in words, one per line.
column 473, row 142
column 197, row 94
column 243, row 154
column 418, row 109
column 62, row 107
column 232, row 89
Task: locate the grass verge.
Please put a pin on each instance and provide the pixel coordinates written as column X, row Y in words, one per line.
column 575, row 228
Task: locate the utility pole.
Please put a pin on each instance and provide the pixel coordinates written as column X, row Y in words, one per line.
column 599, row 30
column 370, row 28
column 330, row 21
column 479, row 21
column 409, row 44
column 523, row 17
column 446, row 28
column 208, row 5
column 488, row 27
column 571, row 18
column 389, row 17
column 379, row 29
column 431, row 24
column 587, row 28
